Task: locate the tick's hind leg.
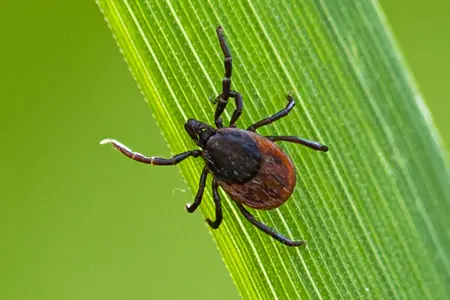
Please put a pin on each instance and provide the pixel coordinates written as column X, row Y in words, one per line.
column 267, row 229
column 151, row 160
column 293, row 139
column 282, row 113
column 219, row 217
column 201, row 188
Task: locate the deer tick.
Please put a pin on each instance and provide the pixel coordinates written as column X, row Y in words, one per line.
column 247, row 166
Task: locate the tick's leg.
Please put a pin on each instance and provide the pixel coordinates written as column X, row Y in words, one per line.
column 226, row 81
column 222, row 99
column 201, row 188
column 151, row 160
column 219, row 217
column 238, row 111
column 221, row 107
column 268, row 230
column 277, row 116
column 219, row 110
column 293, row 139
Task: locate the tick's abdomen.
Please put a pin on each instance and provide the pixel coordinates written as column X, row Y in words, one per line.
column 232, row 155
column 267, row 174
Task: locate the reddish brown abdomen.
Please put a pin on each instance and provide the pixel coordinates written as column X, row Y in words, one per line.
column 272, row 185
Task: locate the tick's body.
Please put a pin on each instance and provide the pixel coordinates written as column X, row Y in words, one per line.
column 250, row 168
column 246, row 165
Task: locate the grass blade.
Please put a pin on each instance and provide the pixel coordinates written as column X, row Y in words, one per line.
column 374, row 210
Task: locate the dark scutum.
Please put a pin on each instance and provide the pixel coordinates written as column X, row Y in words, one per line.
column 232, row 155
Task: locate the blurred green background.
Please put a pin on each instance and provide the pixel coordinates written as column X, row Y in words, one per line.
column 79, row 221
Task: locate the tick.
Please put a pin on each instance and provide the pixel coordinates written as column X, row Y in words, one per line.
column 247, row 166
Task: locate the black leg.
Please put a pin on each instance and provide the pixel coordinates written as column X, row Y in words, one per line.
column 221, row 107
column 151, row 160
column 238, row 111
column 201, row 188
column 293, row 139
column 268, row 230
column 276, row 116
column 222, row 99
column 219, row 110
column 226, row 82
column 219, row 217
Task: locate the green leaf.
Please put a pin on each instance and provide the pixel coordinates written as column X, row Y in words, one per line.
column 375, row 208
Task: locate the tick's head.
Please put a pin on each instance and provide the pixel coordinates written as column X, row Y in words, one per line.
column 199, row 132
